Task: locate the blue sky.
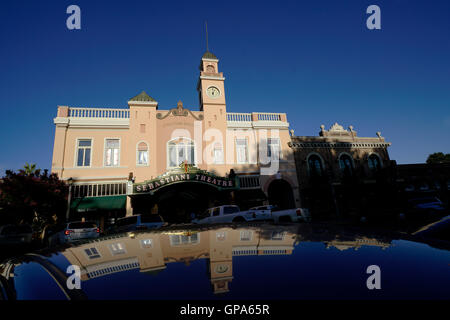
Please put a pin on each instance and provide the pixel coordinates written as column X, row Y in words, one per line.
column 314, row 60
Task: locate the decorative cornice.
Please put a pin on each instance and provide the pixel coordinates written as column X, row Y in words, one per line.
column 335, row 145
column 179, row 111
column 211, row 78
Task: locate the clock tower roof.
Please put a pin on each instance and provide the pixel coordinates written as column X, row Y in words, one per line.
column 209, row 55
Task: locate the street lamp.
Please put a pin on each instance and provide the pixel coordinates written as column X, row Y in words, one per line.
column 69, row 198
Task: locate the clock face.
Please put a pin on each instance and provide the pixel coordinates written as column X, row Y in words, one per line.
column 213, row 92
column 221, row 268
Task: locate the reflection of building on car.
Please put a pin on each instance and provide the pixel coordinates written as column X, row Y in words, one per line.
column 225, row 214
column 14, row 235
column 138, row 222
column 232, row 213
column 72, row 231
column 150, row 252
column 276, row 214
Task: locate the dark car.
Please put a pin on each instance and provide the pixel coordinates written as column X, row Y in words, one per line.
column 15, row 234
column 137, row 222
column 426, row 204
column 439, row 230
column 278, row 262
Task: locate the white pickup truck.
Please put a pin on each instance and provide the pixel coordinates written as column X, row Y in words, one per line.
column 225, row 214
column 273, row 213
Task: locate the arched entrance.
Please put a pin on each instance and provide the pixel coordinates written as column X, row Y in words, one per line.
column 180, row 192
column 176, row 203
column 280, row 194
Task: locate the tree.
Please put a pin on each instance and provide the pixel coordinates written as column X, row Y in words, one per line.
column 30, row 194
column 29, row 168
column 438, row 157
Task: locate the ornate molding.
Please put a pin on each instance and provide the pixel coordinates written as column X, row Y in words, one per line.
column 179, row 111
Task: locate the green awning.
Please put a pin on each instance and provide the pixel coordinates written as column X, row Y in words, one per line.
column 99, row 203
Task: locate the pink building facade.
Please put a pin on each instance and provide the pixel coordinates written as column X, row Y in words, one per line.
column 119, row 158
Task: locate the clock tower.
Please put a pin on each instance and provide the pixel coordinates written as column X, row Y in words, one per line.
column 210, row 86
column 211, row 92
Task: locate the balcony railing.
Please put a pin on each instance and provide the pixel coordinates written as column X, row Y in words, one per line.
column 248, row 117
column 269, row 116
column 257, row 120
column 103, row 113
column 239, row 117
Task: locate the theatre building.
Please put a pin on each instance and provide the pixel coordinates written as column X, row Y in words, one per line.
column 174, row 160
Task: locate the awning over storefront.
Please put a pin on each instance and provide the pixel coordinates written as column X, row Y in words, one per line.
column 99, row 203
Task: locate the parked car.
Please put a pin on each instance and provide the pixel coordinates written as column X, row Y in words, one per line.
column 225, row 214
column 15, row 234
column 72, row 231
column 439, row 230
column 273, row 213
column 425, row 207
column 138, row 222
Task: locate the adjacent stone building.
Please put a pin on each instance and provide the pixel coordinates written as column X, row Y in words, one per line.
column 331, row 165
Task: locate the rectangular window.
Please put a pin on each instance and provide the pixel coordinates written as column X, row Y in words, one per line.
column 142, row 126
column 143, row 157
column 146, row 243
column 242, row 150
column 84, row 153
column 218, row 154
column 277, row 235
column 117, row 248
column 176, row 240
column 112, row 152
column 246, row 235
column 273, row 148
column 216, row 212
column 92, row 253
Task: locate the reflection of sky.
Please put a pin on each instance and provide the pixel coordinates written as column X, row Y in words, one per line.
column 31, row 281
column 177, row 281
column 408, row 270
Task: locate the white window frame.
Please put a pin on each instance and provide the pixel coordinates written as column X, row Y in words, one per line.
column 243, row 232
column 143, row 246
column 221, row 235
column 180, row 243
column 218, row 146
column 246, row 151
column 137, row 154
column 76, row 152
column 270, row 144
column 177, row 154
column 118, row 154
column 119, row 251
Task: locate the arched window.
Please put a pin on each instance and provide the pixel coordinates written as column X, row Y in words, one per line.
column 374, row 162
column 142, row 154
column 180, row 150
column 315, row 165
column 346, row 164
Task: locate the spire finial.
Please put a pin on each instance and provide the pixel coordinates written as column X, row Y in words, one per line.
column 206, row 28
